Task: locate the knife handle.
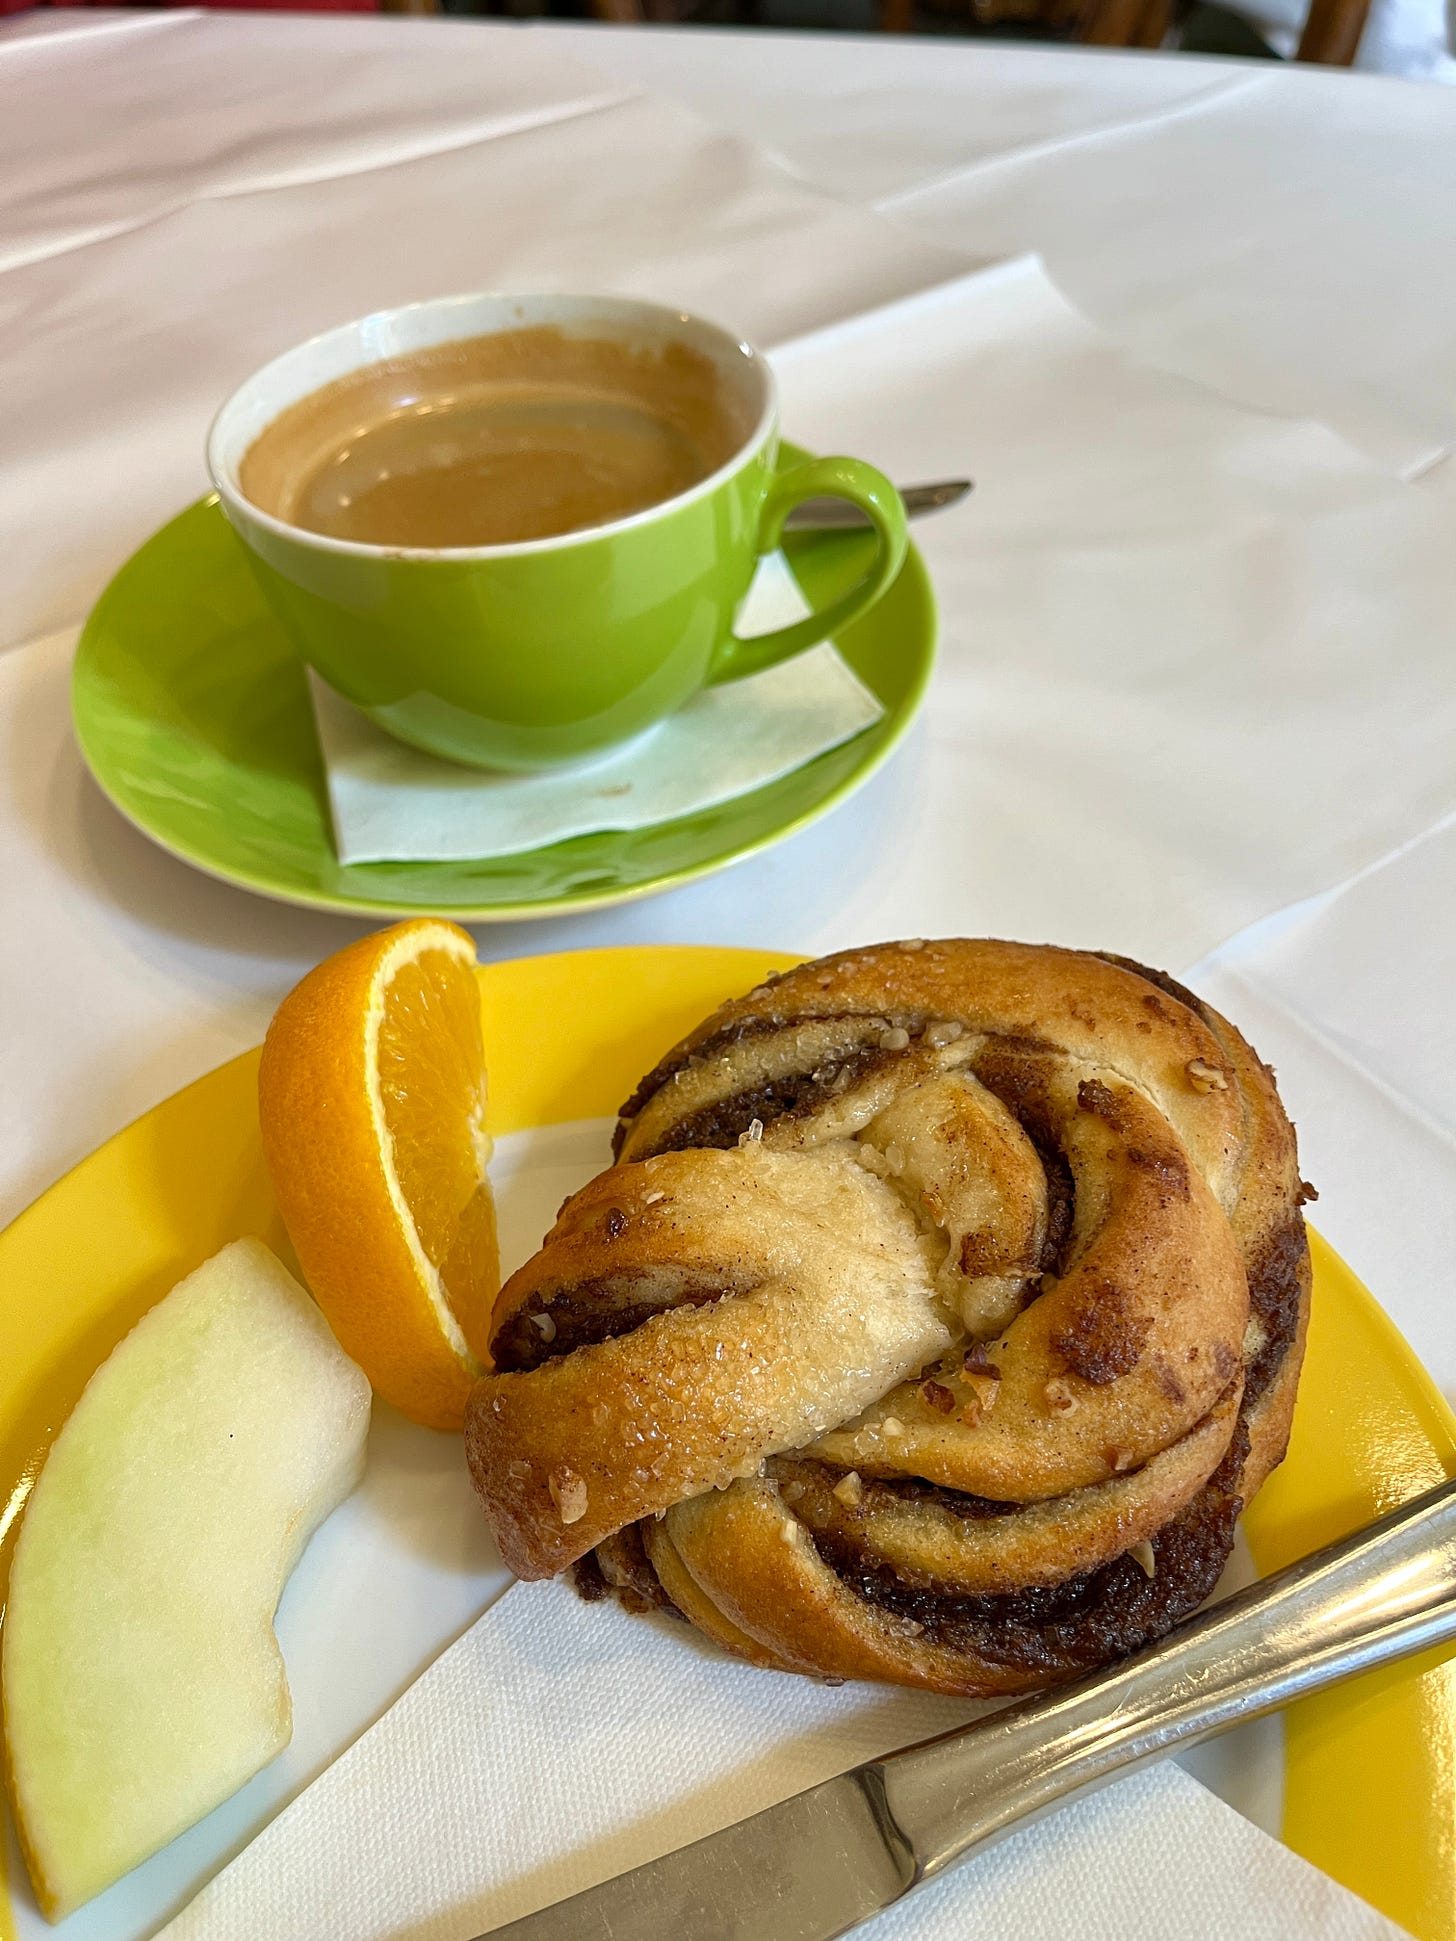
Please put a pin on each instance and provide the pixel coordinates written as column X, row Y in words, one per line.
column 1386, row 1591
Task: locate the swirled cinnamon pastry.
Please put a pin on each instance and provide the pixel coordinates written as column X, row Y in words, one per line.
column 944, row 1307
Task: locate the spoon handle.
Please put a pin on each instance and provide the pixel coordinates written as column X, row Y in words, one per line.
column 836, row 515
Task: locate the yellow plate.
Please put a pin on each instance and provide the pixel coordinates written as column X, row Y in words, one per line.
column 1370, row 1775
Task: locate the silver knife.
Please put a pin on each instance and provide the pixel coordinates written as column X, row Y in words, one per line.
column 838, row 515
column 818, row 1864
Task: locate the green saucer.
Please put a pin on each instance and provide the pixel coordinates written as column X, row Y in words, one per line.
column 192, row 713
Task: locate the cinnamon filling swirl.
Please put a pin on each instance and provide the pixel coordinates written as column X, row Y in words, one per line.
column 598, row 1310
column 943, row 1309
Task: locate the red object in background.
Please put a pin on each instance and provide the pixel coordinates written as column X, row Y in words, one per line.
column 251, row 6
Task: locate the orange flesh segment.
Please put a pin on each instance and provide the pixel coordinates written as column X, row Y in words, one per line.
column 432, row 1087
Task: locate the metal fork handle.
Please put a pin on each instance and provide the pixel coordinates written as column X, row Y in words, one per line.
column 1388, row 1590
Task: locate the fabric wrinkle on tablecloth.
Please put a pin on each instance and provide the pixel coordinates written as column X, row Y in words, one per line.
column 119, row 349
column 865, row 129
column 1286, row 235
column 1192, row 665
column 1350, row 996
column 101, row 148
column 1202, row 276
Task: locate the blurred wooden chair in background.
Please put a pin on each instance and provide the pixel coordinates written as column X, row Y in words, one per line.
column 1331, row 31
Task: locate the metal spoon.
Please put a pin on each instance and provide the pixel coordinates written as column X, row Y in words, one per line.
column 835, row 515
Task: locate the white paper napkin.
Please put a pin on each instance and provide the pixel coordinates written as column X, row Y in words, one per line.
column 1219, row 265
column 1349, row 996
column 392, row 803
column 558, row 1743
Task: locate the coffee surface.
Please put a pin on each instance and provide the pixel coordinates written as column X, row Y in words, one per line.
column 490, row 440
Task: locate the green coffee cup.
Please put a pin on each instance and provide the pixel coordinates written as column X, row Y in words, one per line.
column 548, row 651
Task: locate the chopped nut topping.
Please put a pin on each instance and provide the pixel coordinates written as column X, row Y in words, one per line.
column 943, row 1032
column 518, row 1468
column 849, row 1489
column 843, row 1080
column 983, row 1378
column 651, row 1199
column 912, row 1627
column 982, row 1399
column 1119, row 1461
column 932, row 1202
column 937, row 1396
column 496, row 1405
column 793, row 1492
column 1059, row 1398
column 894, row 1040
column 545, row 1324
column 1143, row 1556
column 753, row 1134
column 1204, row 1077
column 568, row 1493
column 792, row 1530
column 913, row 943
column 893, row 1426
column 871, row 1158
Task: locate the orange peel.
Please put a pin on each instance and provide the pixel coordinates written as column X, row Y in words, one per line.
column 372, row 1107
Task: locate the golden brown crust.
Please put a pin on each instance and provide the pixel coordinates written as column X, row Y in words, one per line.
column 941, row 1291
column 1143, row 1330
column 752, row 1575
column 695, row 1396
column 925, row 1539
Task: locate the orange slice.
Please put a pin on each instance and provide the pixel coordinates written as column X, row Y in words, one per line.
column 371, row 1099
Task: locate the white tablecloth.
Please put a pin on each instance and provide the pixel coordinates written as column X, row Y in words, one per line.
column 185, row 193
column 181, row 195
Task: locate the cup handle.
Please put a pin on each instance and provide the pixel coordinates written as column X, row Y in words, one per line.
column 819, row 478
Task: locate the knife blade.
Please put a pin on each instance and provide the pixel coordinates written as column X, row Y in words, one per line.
column 816, row 1865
